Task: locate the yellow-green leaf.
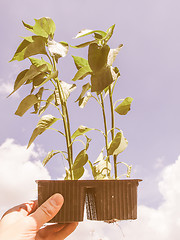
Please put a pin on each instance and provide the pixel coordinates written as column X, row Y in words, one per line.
column 29, row 47
column 26, row 104
column 80, row 160
column 80, row 131
column 124, row 107
column 44, row 123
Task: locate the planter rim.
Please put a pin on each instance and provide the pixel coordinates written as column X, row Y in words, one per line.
column 108, row 180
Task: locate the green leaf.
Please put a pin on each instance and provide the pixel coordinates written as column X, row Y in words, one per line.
column 112, row 54
column 18, row 79
column 80, row 62
column 48, row 101
column 109, row 33
column 78, row 173
column 38, row 62
column 51, row 76
column 124, row 107
column 39, row 97
column 26, row 104
column 101, row 79
column 86, row 32
column 27, row 26
column 44, row 123
column 31, row 46
column 82, row 72
column 49, row 156
column 38, row 80
column 85, row 88
column 29, row 74
column 80, row 131
column 44, row 27
column 97, row 56
column 80, row 160
column 118, row 144
column 83, row 44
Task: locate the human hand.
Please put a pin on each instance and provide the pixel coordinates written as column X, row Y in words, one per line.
column 24, row 222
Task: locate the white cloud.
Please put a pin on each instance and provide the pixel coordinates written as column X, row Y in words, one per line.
column 162, row 223
column 18, row 173
column 6, row 88
column 21, row 167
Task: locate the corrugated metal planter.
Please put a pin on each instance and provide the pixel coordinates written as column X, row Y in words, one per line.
column 105, row 200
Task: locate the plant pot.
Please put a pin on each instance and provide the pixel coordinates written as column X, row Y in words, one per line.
column 106, row 200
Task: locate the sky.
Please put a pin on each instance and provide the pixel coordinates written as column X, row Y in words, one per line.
column 149, row 67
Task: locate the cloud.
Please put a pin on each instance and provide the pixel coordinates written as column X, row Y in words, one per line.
column 162, row 223
column 6, row 88
column 19, row 170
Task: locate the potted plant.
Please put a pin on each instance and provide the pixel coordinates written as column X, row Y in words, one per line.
column 120, row 195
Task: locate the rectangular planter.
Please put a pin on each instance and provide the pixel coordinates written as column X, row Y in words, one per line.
column 105, row 200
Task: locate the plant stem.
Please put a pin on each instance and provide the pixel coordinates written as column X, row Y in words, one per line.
column 105, row 130
column 66, row 124
column 112, row 129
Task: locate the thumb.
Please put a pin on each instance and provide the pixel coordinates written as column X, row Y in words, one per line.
column 48, row 209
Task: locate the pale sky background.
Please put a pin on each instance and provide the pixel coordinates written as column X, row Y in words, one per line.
column 149, row 67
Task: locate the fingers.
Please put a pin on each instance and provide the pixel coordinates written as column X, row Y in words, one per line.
column 48, row 210
column 65, row 232
column 25, row 208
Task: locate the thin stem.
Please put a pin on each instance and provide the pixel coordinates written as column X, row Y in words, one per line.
column 112, row 129
column 105, row 130
column 66, row 124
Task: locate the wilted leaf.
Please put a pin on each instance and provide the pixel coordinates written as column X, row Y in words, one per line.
column 39, row 97
column 67, row 89
column 97, row 56
column 49, row 100
column 115, row 73
column 82, row 72
column 124, row 107
column 58, row 49
column 101, row 79
column 118, row 144
column 44, row 123
column 80, row 131
column 26, row 104
column 80, row 160
column 102, row 169
column 83, row 101
column 112, row 54
column 85, row 88
column 31, row 46
column 49, row 156
column 86, row 32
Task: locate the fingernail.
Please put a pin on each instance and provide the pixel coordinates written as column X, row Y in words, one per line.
column 56, row 200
